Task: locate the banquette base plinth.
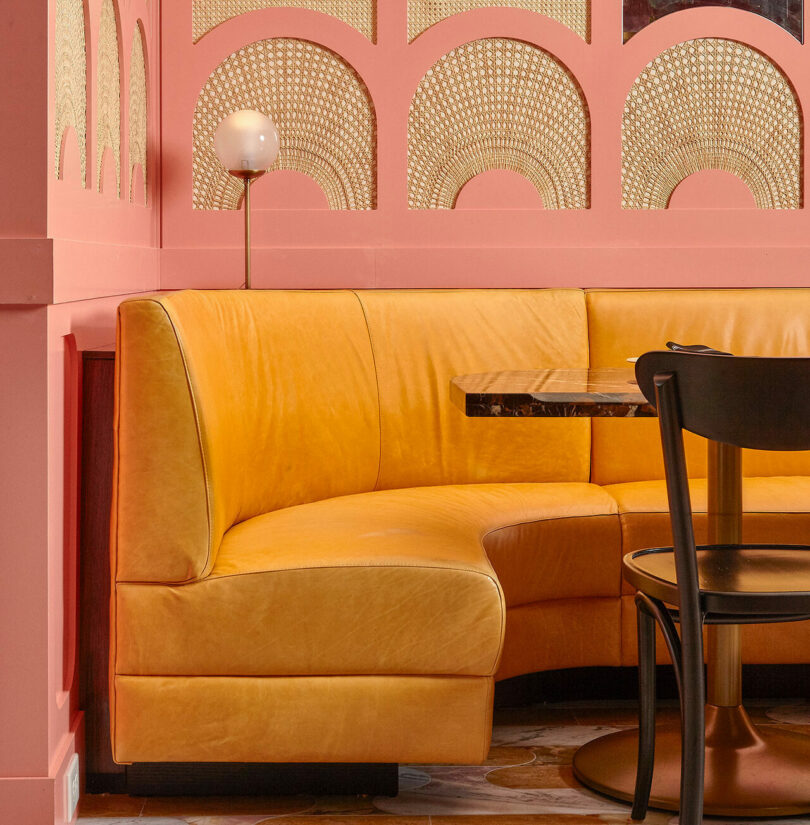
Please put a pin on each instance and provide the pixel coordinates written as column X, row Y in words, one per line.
column 751, row 770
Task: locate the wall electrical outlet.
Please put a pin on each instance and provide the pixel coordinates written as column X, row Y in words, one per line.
column 72, row 788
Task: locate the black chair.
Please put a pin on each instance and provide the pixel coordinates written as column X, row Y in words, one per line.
column 761, row 403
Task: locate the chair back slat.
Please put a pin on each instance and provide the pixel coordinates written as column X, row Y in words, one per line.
column 759, row 403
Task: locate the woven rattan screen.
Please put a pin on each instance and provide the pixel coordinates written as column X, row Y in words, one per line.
column 322, row 109
column 70, row 79
column 422, row 14
column 108, row 119
column 208, row 14
column 711, row 104
column 137, row 111
column 498, row 104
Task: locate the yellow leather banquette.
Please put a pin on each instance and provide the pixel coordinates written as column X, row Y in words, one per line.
column 316, row 558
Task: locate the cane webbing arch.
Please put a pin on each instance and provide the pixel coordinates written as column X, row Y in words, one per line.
column 576, row 14
column 208, row 14
column 321, row 107
column 711, row 104
column 498, row 104
column 138, row 112
column 70, row 80
column 108, row 119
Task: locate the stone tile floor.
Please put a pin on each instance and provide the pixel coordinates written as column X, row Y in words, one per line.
column 527, row 780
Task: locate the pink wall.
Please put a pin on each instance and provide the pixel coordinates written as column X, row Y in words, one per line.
column 69, row 254
column 486, row 245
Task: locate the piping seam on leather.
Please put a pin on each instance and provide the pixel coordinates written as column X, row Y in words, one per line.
column 376, row 382
column 198, row 428
column 483, row 536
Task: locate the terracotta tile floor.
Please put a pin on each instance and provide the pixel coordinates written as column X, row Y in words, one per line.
column 527, row 779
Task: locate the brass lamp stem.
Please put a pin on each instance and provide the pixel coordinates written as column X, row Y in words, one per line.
column 248, row 181
column 248, row 176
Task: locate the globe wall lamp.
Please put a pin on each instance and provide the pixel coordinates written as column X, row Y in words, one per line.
column 247, row 145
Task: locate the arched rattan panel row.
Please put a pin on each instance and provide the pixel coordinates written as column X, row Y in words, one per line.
column 70, row 106
column 498, row 103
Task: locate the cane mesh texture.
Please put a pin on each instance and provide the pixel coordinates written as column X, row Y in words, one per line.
column 498, row 104
column 108, row 119
column 70, row 80
column 208, row 14
column 711, row 104
column 576, row 14
column 138, row 113
column 322, row 110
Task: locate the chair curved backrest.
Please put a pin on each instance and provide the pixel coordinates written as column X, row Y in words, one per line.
column 759, row 403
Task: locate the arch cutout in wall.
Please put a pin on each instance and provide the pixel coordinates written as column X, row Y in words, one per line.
column 499, row 189
column 576, row 14
column 322, row 109
column 138, row 114
column 108, row 116
column 711, row 104
column 206, row 15
column 70, row 81
column 498, row 103
column 788, row 14
column 712, row 189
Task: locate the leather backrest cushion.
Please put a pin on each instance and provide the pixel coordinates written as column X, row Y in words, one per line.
column 626, row 323
column 421, row 339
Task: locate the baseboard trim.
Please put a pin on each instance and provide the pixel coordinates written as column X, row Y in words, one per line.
column 248, row 779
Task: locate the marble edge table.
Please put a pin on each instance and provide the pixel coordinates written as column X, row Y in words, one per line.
column 751, row 770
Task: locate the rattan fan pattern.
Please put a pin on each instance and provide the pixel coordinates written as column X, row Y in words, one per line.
column 576, row 14
column 108, row 119
column 498, row 104
column 711, row 104
column 70, row 80
column 138, row 113
column 208, row 14
column 321, row 107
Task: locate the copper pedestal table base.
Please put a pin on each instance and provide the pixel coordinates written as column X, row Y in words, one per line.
column 751, row 770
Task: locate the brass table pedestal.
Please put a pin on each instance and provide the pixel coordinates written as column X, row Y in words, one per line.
column 751, row 770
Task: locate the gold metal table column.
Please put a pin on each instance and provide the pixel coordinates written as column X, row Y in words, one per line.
column 751, row 770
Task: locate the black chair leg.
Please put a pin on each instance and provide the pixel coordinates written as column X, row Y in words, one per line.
column 646, row 715
column 693, row 732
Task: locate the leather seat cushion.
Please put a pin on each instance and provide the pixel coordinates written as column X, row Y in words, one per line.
column 390, row 582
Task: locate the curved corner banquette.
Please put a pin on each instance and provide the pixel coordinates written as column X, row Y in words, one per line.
column 316, row 558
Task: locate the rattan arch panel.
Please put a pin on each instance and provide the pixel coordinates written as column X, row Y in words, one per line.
column 108, row 116
column 70, row 80
column 576, row 14
column 711, row 104
column 208, row 14
column 321, row 107
column 498, row 104
column 138, row 112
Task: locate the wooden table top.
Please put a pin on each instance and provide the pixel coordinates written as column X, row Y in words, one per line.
column 609, row 392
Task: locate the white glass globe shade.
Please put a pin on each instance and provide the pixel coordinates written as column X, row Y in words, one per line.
column 246, row 141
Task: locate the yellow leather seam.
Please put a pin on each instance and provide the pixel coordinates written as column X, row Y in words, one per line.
column 198, row 427
column 377, row 384
column 705, row 512
column 483, row 536
column 353, row 566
